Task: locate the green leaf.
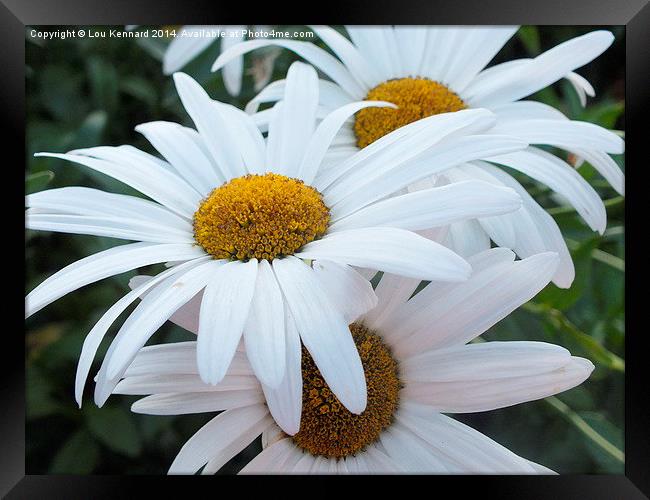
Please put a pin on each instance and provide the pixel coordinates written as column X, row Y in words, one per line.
column 91, row 130
column 59, row 93
column 77, row 456
column 596, row 438
column 114, row 427
column 141, row 89
column 36, row 182
column 609, row 432
column 563, row 299
column 155, row 47
column 592, row 347
column 605, row 114
column 103, row 83
column 529, row 36
column 38, row 394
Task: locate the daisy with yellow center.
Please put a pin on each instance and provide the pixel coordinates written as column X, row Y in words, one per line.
column 433, row 70
column 260, row 235
column 418, row 364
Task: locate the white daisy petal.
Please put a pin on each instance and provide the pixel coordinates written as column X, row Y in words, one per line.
column 455, row 151
column 87, row 201
column 498, row 228
column 582, row 87
column 493, row 360
column 471, row 451
column 335, row 354
column 101, row 265
column 438, row 51
column 476, row 50
column 605, row 166
column 272, row 434
column 179, row 146
column 406, row 143
column 293, row 121
column 540, row 469
column 187, row 316
column 269, row 459
column 561, row 178
column 434, row 207
column 535, row 230
column 111, row 227
column 359, row 67
column 311, row 53
column 226, row 434
column 485, row 393
column 211, row 124
column 331, row 96
column 220, row 460
column 264, row 333
column 389, row 249
column 247, row 137
column 467, row 238
column 285, row 401
column 527, row 110
column 350, row 291
column 97, row 333
column 392, row 291
column 178, row 358
column 549, row 67
column 566, row 134
column 169, row 189
column 411, row 41
column 224, row 311
column 273, row 92
column 489, row 87
column 304, row 465
column 322, row 137
column 177, row 383
column 378, row 462
column 377, row 45
column 233, row 71
column 152, row 312
column 199, row 402
column 185, row 47
column 413, row 455
column 468, row 309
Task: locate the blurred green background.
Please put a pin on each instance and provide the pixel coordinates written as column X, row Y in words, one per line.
column 88, row 92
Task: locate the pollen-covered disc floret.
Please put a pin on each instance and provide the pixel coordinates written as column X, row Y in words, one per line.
column 327, row 428
column 260, row 216
column 416, row 98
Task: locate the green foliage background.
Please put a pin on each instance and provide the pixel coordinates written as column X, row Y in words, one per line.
column 88, row 92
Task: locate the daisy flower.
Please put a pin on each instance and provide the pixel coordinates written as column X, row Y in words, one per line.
column 241, row 220
column 418, row 364
column 431, row 70
column 192, row 40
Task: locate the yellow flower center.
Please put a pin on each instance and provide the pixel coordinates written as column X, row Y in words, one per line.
column 416, row 98
column 327, row 428
column 260, row 216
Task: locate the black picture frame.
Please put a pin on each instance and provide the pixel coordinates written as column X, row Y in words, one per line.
column 634, row 14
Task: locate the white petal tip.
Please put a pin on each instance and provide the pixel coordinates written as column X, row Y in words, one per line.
column 605, row 36
column 290, row 429
column 562, row 283
column 583, row 366
column 179, row 77
column 357, row 407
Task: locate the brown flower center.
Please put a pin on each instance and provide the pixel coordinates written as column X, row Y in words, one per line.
column 327, row 428
column 416, row 98
column 260, row 216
